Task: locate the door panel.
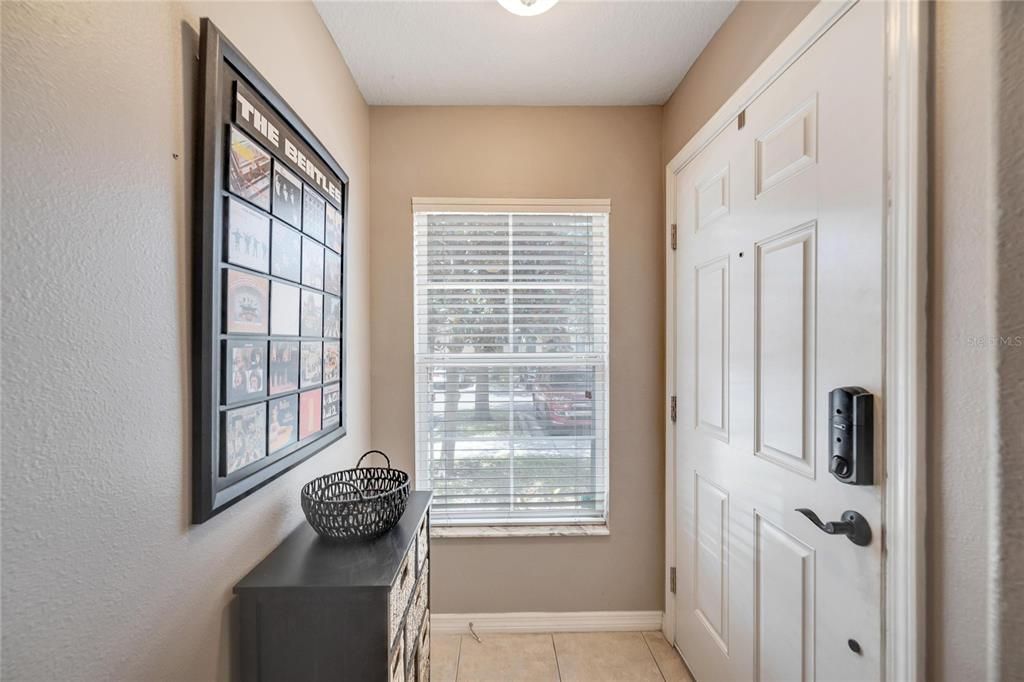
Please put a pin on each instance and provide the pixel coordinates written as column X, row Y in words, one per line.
column 784, row 369
column 712, row 198
column 787, row 148
column 779, row 300
column 711, row 569
column 712, row 354
column 784, row 608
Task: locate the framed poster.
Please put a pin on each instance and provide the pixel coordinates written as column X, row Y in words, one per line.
column 313, row 216
column 312, row 264
column 332, row 361
column 283, row 428
column 270, row 225
column 245, row 441
column 248, row 170
column 287, row 195
column 332, row 317
column 332, row 273
column 248, row 237
column 312, row 323
column 245, row 370
column 332, row 397
column 284, row 367
column 284, row 309
column 310, row 414
column 285, row 247
column 246, row 304
column 311, row 364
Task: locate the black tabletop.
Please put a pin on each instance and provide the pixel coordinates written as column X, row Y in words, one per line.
column 304, row 559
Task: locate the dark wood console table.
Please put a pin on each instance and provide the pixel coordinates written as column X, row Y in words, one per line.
column 315, row 610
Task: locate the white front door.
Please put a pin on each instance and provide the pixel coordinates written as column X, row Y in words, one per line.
column 779, row 299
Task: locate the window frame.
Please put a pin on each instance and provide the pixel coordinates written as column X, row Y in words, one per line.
column 523, row 526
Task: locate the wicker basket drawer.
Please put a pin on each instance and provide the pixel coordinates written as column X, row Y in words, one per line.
column 410, row 664
column 398, row 598
column 396, row 667
column 422, row 544
column 423, row 650
column 417, row 610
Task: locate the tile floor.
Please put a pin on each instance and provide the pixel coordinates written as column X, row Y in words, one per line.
column 562, row 656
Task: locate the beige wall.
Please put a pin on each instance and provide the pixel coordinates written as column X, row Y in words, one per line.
column 976, row 364
column 534, row 152
column 103, row 577
column 753, row 30
column 1008, row 600
column 552, row 152
column 961, row 365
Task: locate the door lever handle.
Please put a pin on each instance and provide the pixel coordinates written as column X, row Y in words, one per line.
column 853, row 525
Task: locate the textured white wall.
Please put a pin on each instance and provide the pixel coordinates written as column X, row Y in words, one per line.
column 103, row 576
column 1008, row 602
column 961, row 447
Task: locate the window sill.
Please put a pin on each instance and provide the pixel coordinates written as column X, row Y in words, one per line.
column 566, row 530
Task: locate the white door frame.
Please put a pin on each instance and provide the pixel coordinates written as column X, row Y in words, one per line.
column 903, row 413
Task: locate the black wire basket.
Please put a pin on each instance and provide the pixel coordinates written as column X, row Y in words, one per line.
column 356, row 504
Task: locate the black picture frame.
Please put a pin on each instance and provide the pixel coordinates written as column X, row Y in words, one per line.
column 233, row 95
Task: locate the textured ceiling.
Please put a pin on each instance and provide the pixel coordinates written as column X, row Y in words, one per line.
column 475, row 52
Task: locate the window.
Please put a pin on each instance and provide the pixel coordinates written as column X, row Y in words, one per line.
column 511, row 334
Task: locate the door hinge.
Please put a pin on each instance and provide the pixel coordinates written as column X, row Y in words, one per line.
column 741, row 120
column 673, row 236
column 672, row 580
column 672, row 408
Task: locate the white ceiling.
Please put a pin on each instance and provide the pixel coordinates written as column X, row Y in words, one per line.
column 615, row 52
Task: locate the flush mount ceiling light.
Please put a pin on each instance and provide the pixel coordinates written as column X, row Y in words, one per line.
column 527, row 8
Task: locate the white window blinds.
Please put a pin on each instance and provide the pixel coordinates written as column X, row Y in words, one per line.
column 511, row 325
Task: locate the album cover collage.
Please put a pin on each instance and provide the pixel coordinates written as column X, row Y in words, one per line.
column 283, row 283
